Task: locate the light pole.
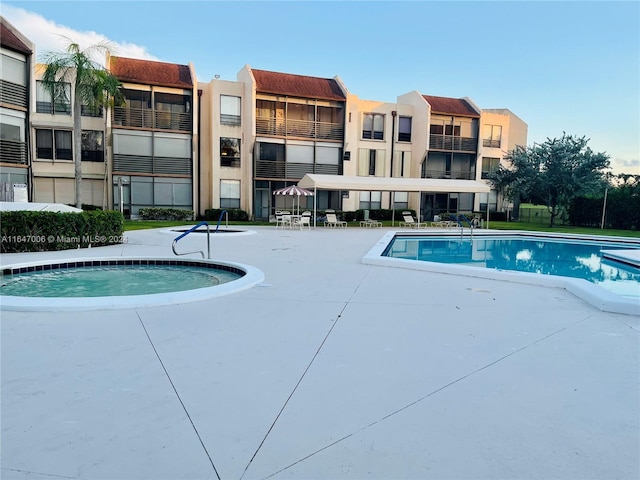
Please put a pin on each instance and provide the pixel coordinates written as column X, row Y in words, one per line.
column 604, row 208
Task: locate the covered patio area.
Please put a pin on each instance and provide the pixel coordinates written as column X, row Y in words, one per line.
column 316, row 182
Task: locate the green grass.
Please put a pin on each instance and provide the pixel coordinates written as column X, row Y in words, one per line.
column 537, row 227
column 534, row 227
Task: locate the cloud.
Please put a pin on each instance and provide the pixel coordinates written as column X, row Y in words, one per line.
column 48, row 36
column 619, row 165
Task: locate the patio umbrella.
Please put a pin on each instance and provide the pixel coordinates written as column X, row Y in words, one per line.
column 294, row 190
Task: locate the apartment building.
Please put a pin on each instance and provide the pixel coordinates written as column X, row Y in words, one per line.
column 16, row 52
column 53, row 165
column 153, row 136
column 177, row 142
column 502, row 132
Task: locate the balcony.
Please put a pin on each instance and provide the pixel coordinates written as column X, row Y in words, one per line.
column 299, row 128
column 452, row 144
column 152, row 119
column 450, row 174
column 13, row 152
column 292, row 171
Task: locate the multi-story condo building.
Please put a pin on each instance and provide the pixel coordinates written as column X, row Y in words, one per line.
column 16, row 53
column 176, row 142
column 52, row 136
column 502, row 132
column 153, row 136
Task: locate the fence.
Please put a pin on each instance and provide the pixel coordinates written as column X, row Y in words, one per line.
column 540, row 214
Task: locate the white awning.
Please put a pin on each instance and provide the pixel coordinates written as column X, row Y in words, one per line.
column 386, row 184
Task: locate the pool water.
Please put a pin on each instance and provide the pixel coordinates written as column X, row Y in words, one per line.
column 568, row 258
column 106, row 281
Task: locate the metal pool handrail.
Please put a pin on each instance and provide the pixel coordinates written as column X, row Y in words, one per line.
column 195, row 227
column 175, row 241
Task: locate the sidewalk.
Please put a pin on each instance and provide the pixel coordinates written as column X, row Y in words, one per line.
column 330, row 369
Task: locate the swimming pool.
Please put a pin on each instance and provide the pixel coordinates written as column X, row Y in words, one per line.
column 88, row 284
column 572, row 262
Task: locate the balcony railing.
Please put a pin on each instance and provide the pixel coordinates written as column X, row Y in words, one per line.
column 13, row 94
column 452, row 174
column 293, row 171
column 299, row 128
column 154, row 119
column 13, row 152
column 451, row 143
column 490, row 143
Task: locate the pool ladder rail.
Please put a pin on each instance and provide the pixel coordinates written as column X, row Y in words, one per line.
column 463, row 218
column 194, row 228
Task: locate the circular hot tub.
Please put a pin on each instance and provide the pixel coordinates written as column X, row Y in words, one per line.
column 108, row 283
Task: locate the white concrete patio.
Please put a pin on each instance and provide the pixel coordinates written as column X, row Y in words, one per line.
column 330, row 369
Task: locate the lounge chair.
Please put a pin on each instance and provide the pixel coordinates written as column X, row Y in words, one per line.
column 370, row 223
column 409, row 221
column 332, row 220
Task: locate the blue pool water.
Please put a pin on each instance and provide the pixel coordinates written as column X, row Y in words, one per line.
column 562, row 257
column 113, row 280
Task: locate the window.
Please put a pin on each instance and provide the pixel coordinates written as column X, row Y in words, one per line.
column 370, row 200
column 439, row 127
column 491, row 136
column 371, row 162
column 401, row 166
column 54, row 144
column 491, row 198
column 272, row 152
column 229, row 193
column 14, row 70
column 400, row 200
column 452, row 130
column 12, row 125
column 62, row 102
column 373, row 126
column 404, row 129
column 92, row 146
column 229, row 152
column 87, row 111
column 169, row 102
column 137, row 99
column 230, row 110
column 489, row 165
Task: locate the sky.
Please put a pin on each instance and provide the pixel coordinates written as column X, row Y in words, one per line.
column 562, row 67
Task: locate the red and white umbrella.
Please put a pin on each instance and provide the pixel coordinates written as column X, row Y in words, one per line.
column 294, row 190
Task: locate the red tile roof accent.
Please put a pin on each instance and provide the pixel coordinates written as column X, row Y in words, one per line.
column 453, row 106
column 9, row 40
column 297, row 85
column 149, row 72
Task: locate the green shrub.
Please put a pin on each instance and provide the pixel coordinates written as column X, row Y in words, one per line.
column 235, row 214
column 154, row 213
column 27, row 231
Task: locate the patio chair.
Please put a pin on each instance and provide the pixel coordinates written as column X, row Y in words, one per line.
column 332, row 220
column 283, row 219
column 303, row 221
column 370, row 223
column 409, row 221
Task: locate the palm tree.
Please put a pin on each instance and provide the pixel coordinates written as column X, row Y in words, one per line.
column 93, row 86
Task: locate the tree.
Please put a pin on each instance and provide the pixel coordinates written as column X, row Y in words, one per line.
column 552, row 173
column 92, row 85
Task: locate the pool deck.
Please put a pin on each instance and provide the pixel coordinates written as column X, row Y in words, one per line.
column 329, row 369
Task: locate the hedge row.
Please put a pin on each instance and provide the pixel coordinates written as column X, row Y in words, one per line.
column 27, row 231
column 153, row 213
column 235, row 214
